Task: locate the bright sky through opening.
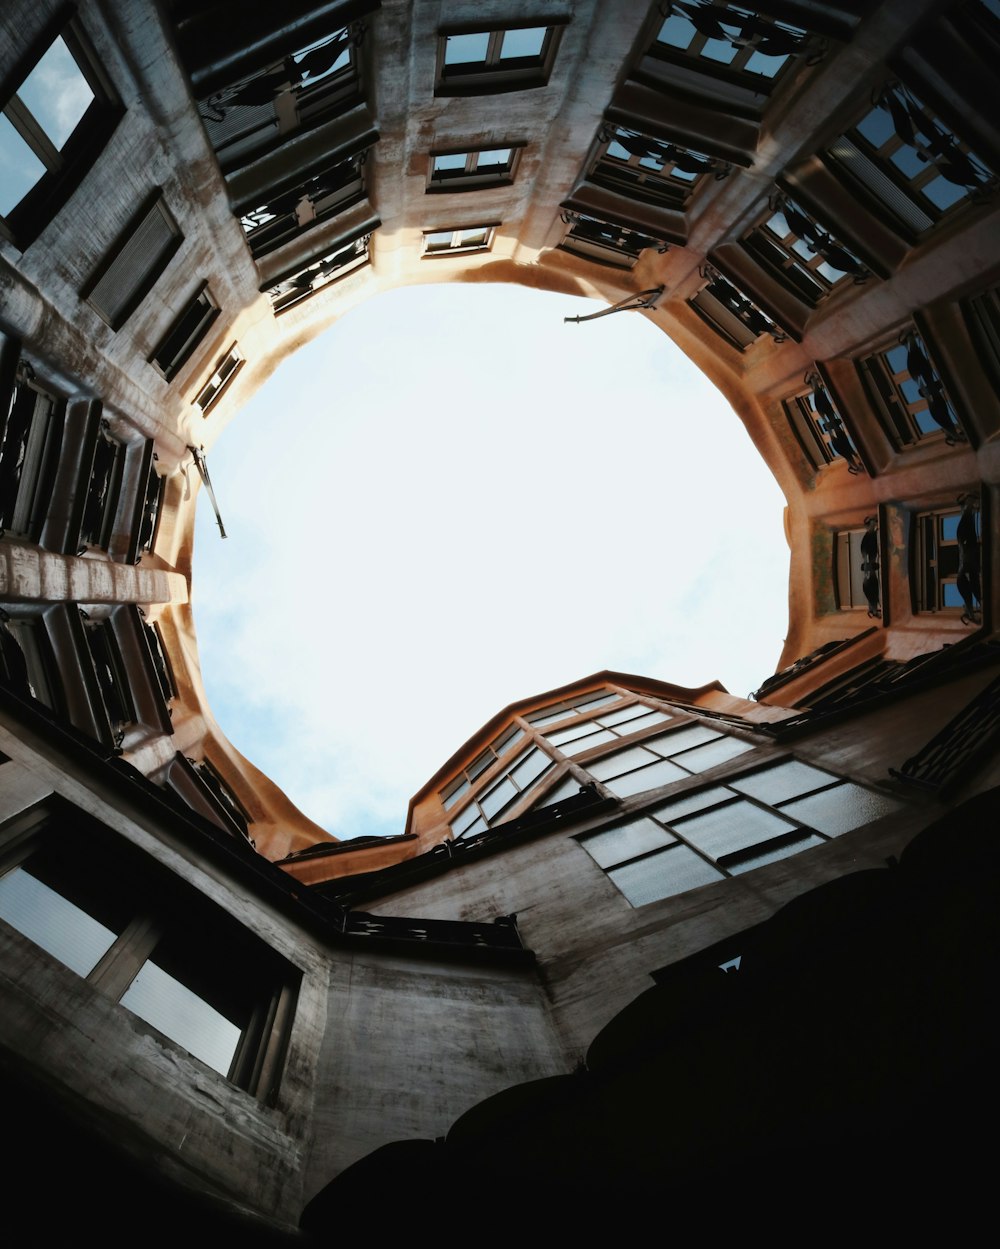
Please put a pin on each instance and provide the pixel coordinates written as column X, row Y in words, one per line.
column 453, row 500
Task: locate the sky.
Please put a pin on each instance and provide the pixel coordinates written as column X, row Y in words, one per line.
column 452, row 500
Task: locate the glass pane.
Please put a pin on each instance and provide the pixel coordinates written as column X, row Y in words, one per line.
column 643, row 722
column 56, row 93
column 626, row 842
column 943, row 194
column 720, row 50
column 53, row 922
column 842, row 808
column 530, row 767
column 877, row 127
column 589, row 701
column 682, row 739
column 525, row 42
column 620, row 761
column 477, row 826
column 468, row 817
column 568, row 787
column 676, row 31
column 662, row 875
column 949, row 527
column 775, row 853
column 20, row 168
column 787, row 780
column 579, row 729
column 498, row 798
column 508, row 739
column 897, row 359
column 456, row 793
column 908, row 162
column 498, row 156
column 548, row 717
column 473, row 238
column 465, row 49
column 454, row 161
column 712, row 754
column 480, row 764
column 615, row 149
column 662, row 773
column 950, row 596
column 580, row 744
column 925, row 422
column 437, row 241
column 182, row 1015
column 733, row 827
column 766, row 66
column 623, row 714
column 699, row 801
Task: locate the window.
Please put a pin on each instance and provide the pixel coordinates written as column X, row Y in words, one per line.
column 61, row 113
column 910, row 162
column 856, row 568
column 477, row 62
column 672, row 756
column 181, row 340
column 258, row 113
column 458, row 242
column 605, row 728
column 28, row 662
column 133, row 265
column 730, row 829
column 457, row 788
column 291, row 289
column 651, row 170
column 908, row 394
column 491, row 804
column 948, row 561
column 292, row 210
column 580, row 706
column 801, row 254
column 149, row 500
column 732, row 43
column 30, row 441
column 471, row 171
column 215, row 387
column 730, row 313
column 982, row 316
column 112, row 678
column 603, row 241
column 100, row 506
column 820, row 429
column 152, row 944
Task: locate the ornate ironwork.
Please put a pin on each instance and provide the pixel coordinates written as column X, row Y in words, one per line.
column 934, row 144
column 642, row 299
column 831, row 424
column 965, row 740
column 870, row 567
column 968, row 580
column 820, row 241
column 609, row 233
column 931, row 388
column 742, row 28
column 685, row 159
column 740, row 305
column 294, row 72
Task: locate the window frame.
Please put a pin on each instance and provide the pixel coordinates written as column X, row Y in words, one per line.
column 872, row 169
column 288, row 290
column 162, row 910
column 780, row 256
column 819, row 432
column 266, row 230
column 492, row 76
column 66, row 166
column 296, row 107
column 222, row 377
column 929, row 546
column 723, row 793
column 471, row 177
column 458, row 246
column 186, row 333
column 627, row 176
column 897, row 413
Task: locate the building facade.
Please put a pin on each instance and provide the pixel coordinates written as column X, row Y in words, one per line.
column 803, row 197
